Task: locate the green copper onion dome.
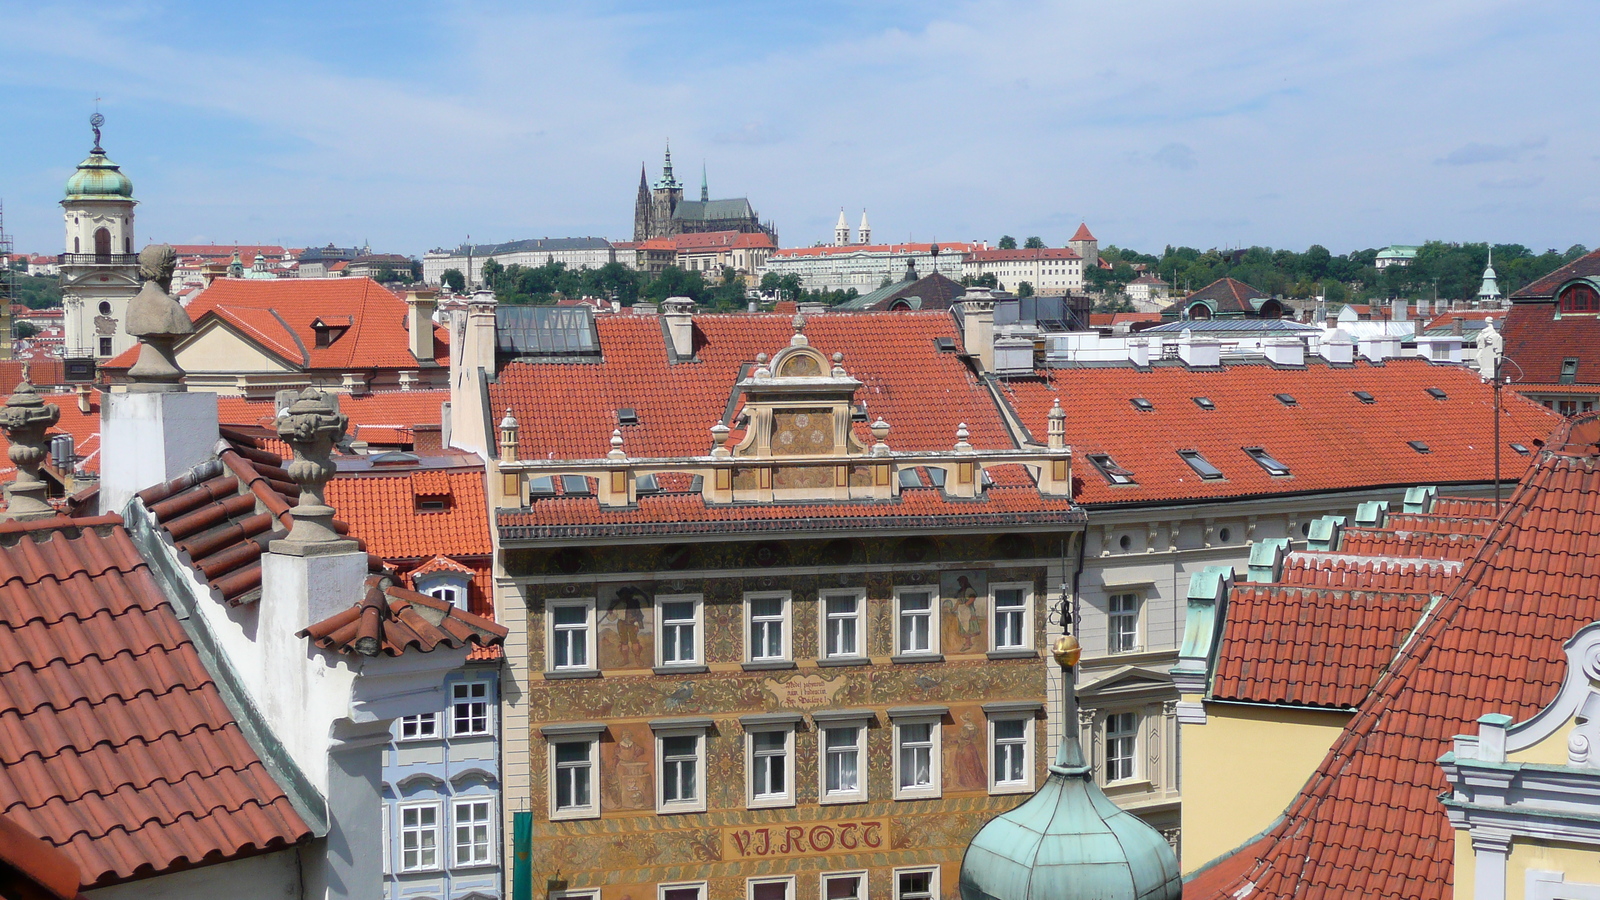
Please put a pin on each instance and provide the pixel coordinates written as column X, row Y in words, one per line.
column 98, row 177
column 1069, row 840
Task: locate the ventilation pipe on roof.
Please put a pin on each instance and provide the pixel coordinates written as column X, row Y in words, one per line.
column 1419, row 499
column 420, row 306
column 679, row 313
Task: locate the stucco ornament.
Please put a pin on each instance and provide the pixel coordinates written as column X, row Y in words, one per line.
column 311, row 424
column 24, row 418
column 158, row 322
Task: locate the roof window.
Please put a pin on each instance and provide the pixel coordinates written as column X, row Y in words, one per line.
column 936, row 476
column 543, row 486
column 574, row 485
column 1286, row 399
column 945, row 344
column 1142, row 405
column 1520, row 449
column 647, row 484
column 1112, row 472
column 1363, row 396
column 1204, row 403
column 1419, row 446
column 1569, row 370
column 909, row 479
column 627, row 416
column 1200, row 465
column 1437, row 394
column 1266, row 461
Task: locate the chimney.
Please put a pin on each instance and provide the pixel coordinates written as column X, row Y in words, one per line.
column 977, row 317
column 420, row 306
column 1398, row 310
column 1284, row 351
column 1338, row 349
column 1199, row 352
column 679, row 315
column 1058, row 426
column 508, row 437
column 472, row 360
column 1456, row 328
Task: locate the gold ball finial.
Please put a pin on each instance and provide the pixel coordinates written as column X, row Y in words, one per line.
column 1066, row 651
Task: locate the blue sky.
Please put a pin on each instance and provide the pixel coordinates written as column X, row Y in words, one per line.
column 1353, row 124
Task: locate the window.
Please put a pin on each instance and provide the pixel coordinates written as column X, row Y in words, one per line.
column 1437, row 394
column 450, row 592
column 843, row 749
column 1580, row 298
column 681, row 763
column 1109, row 468
column 1418, row 446
column 916, row 884
column 844, row 886
column 469, row 708
column 1011, row 620
column 916, row 759
column 105, row 346
column 915, row 631
column 1569, row 370
column 1520, row 449
column 419, row 837
column 1200, row 464
column 696, row 891
column 572, row 767
column 1286, row 399
column 843, row 627
column 1123, row 623
column 1122, row 734
column 768, row 619
column 1363, row 396
column 1142, row 405
column 769, row 888
column 571, row 634
column 1205, row 403
column 1265, row 461
column 679, row 624
column 574, row 485
column 771, row 766
column 1011, row 754
column 421, row 727
column 473, row 830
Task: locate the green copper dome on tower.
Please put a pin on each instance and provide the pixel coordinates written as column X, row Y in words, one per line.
column 1069, row 840
column 98, row 178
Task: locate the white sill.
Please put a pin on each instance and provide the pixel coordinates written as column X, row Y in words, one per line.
column 672, row 809
column 566, row 815
column 1020, row 788
column 769, row 802
column 928, row 793
column 839, row 799
column 1128, row 786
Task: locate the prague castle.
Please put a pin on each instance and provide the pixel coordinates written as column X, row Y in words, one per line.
column 661, row 211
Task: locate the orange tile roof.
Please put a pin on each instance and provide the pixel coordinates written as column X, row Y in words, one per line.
column 1329, row 439
column 1368, row 822
column 386, row 417
column 700, row 242
column 390, row 620
column 32, row 869
column 381, row 509
column 118, row 748
column 1082, row 234
column 1538, row 339
column 84, row 428
column 1034, row 253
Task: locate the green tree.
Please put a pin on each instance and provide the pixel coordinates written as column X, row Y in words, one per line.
column 771, row 283
column 24, row 330
column 1007, row 242
column 1024, row 289
column 791, row 286
column 454, row 280
column 1034, row 243
column 491, row 273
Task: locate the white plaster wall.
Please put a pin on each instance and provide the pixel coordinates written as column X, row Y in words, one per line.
column 274, row 876
column 150, row 439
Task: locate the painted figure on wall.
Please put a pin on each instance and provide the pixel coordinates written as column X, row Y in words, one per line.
column 963, row 757
column 625, row 773
column 963, row 619
column 626, row 636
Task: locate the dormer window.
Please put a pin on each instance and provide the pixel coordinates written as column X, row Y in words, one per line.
column 1437, row 394
column 574, row 485
column 1109, row 468
column 1580, row 298
column 328, row 332
column 1363, row 396
column 1569, row 370
column 1286, row 399
column 1142, row 405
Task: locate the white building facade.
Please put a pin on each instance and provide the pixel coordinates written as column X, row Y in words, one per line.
column 574, row 253
column 1049, row 270
column 865, row 266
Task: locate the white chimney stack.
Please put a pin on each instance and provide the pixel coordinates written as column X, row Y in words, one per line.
column 1199, row 352
column 679, row 313
column 1284, row 351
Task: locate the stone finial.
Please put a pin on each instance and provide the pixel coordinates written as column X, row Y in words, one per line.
column 961, row 438
column 158, row 322
column 508, row 437
column 880, row 430
column 799, row 339
column 719, row 439
column 1058, row 426
column 311, row 424
column 616, row 445
column 24, row 418
column 838, row 365
column 762, row 370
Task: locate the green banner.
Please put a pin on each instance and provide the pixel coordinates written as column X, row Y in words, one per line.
column 522, row 856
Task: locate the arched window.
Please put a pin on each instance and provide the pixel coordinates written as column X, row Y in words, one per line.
column 1199, row 311
column 1580, row 298
column 1272, row 309
column 102, row 245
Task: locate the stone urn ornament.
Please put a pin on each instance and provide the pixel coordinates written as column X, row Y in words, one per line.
column 311, row 424
column 25, row 418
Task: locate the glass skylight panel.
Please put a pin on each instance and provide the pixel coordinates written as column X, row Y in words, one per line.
column 1112, row 472
column 1363, row 396
column 909, row 479
column 627, row 416
column 1285, row 399
column 1204, row 403
column 1200, row 464
column 1266, row 461
column 546, row 331
column 1436, row 394
column 1419, row 446
column 574, row 484
column 543, row 486
column 937, row 477
column 647, row 484
column 1520, row 449
column 1142, row 404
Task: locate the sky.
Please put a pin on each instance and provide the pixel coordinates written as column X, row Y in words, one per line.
column 411, row 126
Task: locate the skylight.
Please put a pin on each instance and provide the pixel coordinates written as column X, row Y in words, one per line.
column 1436, row 394
column 627, row 416
column 543, row 486
column 1266, row 461
column 574, row 485
column 1200, row 465
column 945, row 344
column 909, row 479
column 1419, row 446
column 1569, row 370
column 647, row 484
column 1204, row 402
column 1363, row 396
column 1142, row 404
column 1520, row 449
column 1285, row 399
column 936, row 476
column 1112, row 472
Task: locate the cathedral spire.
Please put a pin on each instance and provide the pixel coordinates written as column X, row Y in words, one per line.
column 666, row 169
column 705, row 192
column 841, row 231
column 1489, row 291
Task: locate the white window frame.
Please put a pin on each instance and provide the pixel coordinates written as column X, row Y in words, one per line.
column 431, row 719
column 786, row 880
column 1113, row 615
column 436, row 583
column 787, row 797
column 861, row 880
column 785, row 620
column 590, row 662
column 698, row 624
column 1107, row 736
column 996, row 786
column 825, row 620
column 490, row 840
column 935, row 763
column 933, row 619
column 700, row 886
column 592, row 808
column 587, row 894
column 698, row 803
column 489, row 703
column 1027, row 616
column 437, row 829
column 859, row 795
column 933, row 880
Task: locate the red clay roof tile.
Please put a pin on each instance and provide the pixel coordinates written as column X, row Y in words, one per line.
column 392, row 619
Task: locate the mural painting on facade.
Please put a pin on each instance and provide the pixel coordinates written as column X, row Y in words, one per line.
column 627, row 782
column 963, row 750
column 626, row 629
column 802, row 432
column 963, row 596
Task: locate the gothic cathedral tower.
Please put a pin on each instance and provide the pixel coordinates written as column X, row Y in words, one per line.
column 99, row 270
column 641, row 209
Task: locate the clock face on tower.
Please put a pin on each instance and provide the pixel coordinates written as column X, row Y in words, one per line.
column 802, row 432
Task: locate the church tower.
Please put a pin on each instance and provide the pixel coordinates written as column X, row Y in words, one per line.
column 664, row 200
column 1489, row 291
column 864, row 233
column 841, row 231
column 641, row 209
column 99, row 270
